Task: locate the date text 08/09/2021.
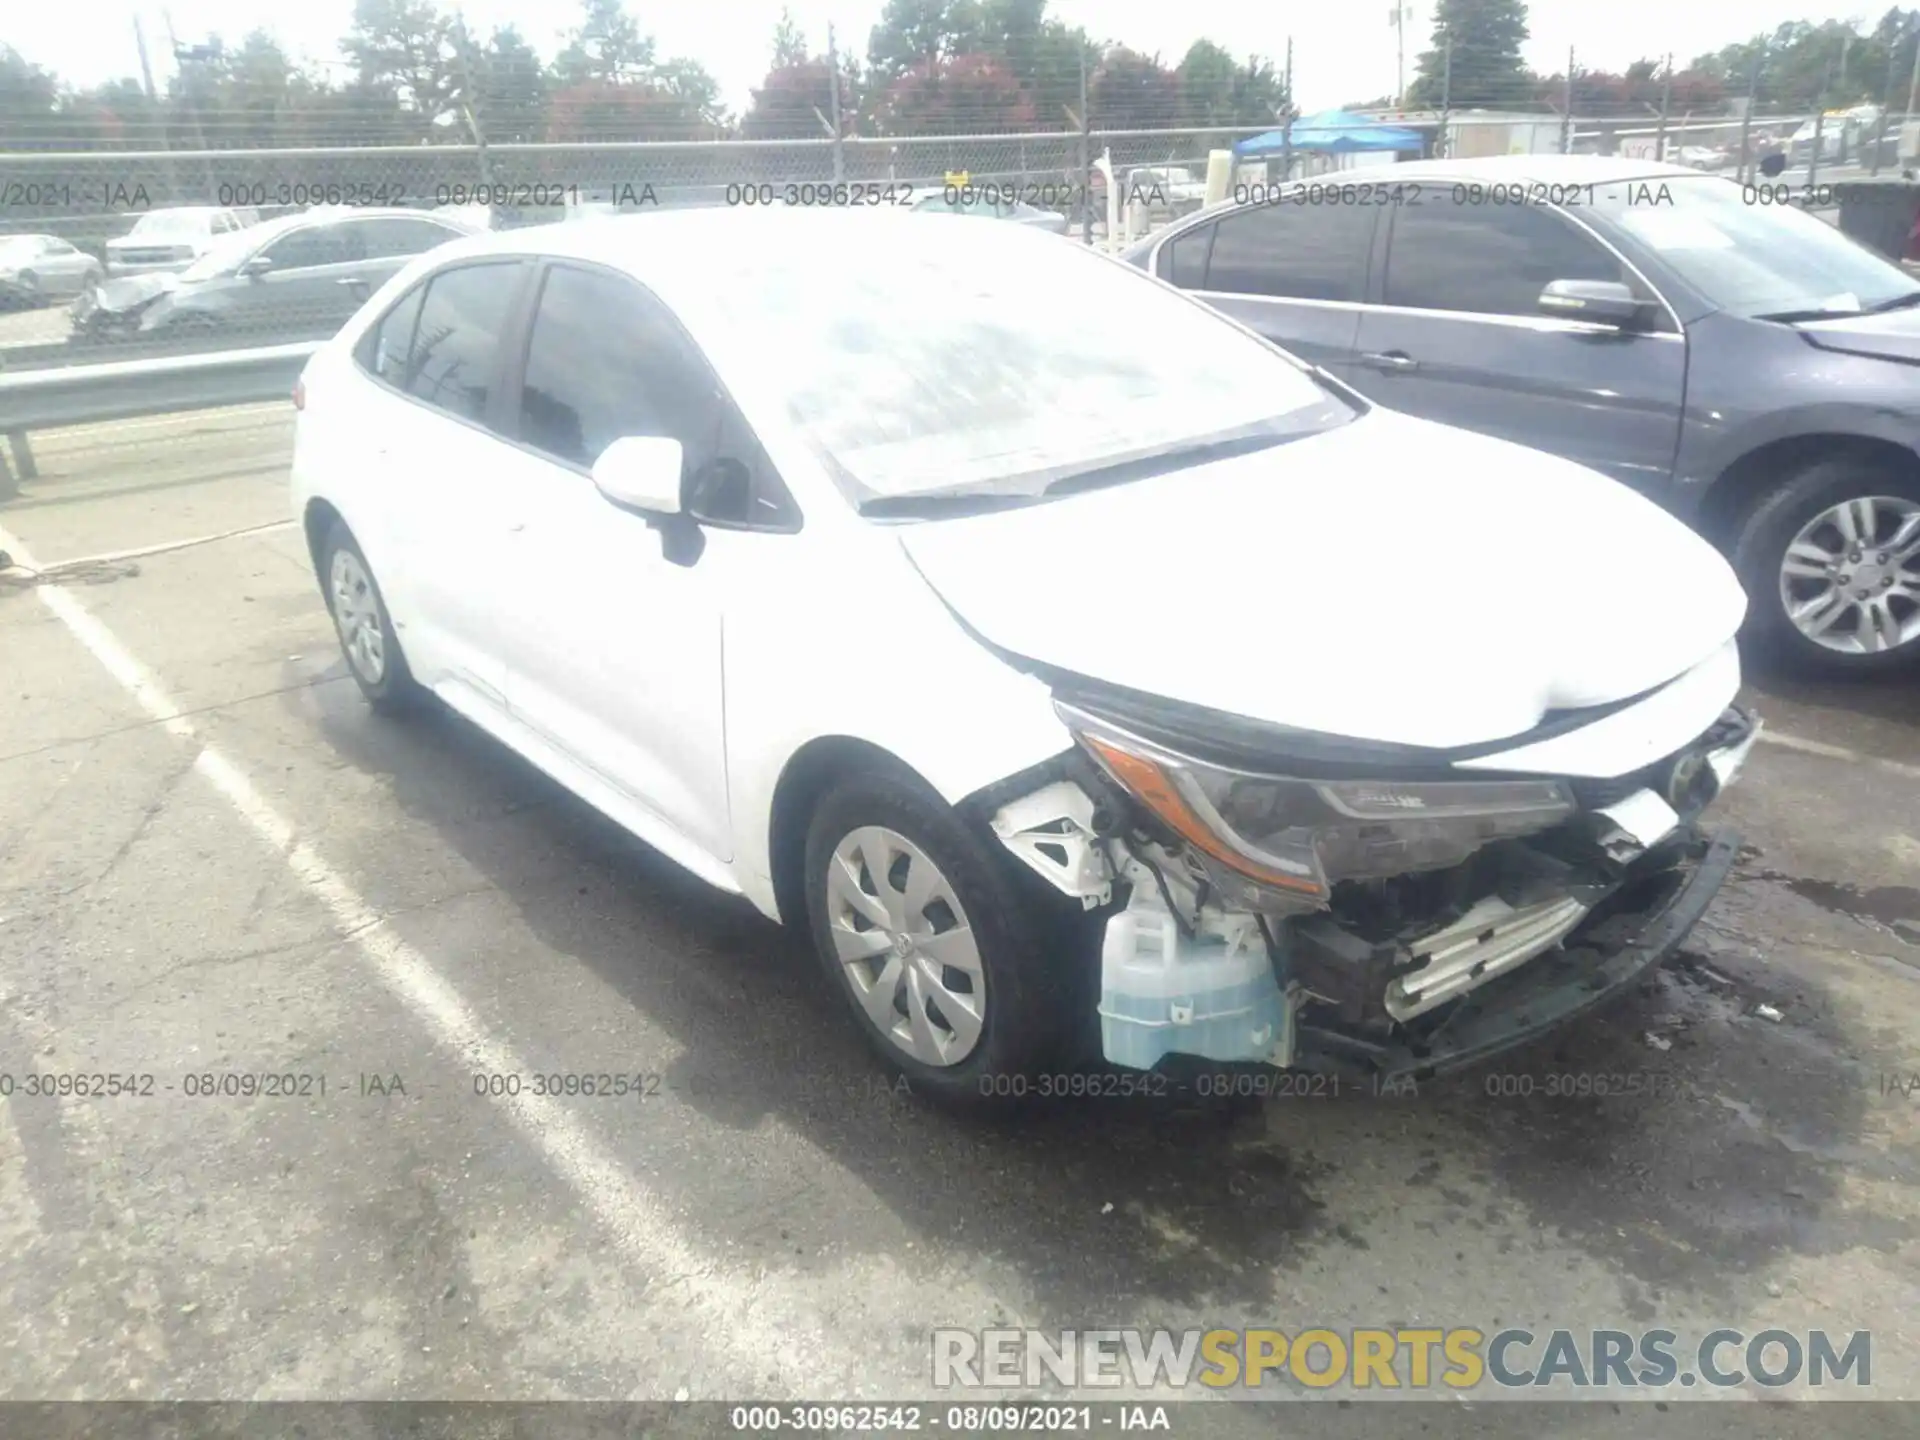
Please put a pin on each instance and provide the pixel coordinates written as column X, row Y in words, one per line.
column 1008, row 1418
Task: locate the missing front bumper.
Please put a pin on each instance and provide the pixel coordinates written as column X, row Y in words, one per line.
column 1633, row 930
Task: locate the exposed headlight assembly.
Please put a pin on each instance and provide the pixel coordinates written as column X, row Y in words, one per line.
column 1302, row 836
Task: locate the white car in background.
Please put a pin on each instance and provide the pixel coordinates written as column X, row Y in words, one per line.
column 1062, row 657
column 170, row 239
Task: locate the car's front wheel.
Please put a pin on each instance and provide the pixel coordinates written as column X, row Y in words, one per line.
column 1831, row 565
column 367, row 639
column 944, row 962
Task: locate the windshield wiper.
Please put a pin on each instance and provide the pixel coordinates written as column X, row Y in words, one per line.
column 1898, row 302
column 1793, row 317
column 1182, row 459
column 938, row 505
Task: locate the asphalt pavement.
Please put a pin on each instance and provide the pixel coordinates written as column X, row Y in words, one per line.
column 215, row 861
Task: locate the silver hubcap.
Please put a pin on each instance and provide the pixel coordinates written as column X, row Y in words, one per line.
column 908, row 950
column 1850, row 581
column 356, row 612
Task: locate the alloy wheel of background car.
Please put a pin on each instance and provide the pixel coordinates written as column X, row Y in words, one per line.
column 906, row 946
column 360, row 618
column 1850, row 580
column 951, row 969
column 1831, row 566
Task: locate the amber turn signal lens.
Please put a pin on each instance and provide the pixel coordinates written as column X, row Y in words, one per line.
column 1153, row 788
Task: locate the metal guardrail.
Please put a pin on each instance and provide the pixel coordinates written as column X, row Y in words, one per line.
column 130, row 389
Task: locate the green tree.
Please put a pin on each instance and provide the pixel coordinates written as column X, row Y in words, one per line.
column 404, row 49
column 1131, row 91
column 789, row 45
column 510, row 89
column 918, row 33
column 606, row 45
column 1487, row 71
column 1216, row 89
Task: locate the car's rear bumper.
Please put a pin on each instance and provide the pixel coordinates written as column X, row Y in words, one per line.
column 1634, row 930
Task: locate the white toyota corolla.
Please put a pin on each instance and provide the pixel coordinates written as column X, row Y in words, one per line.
column 1070, row 661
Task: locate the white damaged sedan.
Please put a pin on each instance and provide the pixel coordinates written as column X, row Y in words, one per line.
column 1081, row 672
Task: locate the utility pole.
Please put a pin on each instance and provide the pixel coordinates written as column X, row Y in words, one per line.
column 1746, row 116
column 1086, row 158
column 470, row 103
column 833, row 100
column 1446, row 96
column 1286, row 129
column 1886, row 105
column 1399, row 19
column 153, row 100
column 1913, row 85
column 182, row 57
column 146, row 68
column 1666, row 106
column 1566, row 134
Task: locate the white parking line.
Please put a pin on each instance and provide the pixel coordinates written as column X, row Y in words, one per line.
column 743, row 1323
column 1839, row 752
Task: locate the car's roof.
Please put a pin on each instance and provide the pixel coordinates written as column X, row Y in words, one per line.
column 1527, row 169
column 651, row 239
column 10, row 239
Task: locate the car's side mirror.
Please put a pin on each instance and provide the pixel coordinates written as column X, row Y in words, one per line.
column 257, row 266
column 1605, row 302
column 641, row 472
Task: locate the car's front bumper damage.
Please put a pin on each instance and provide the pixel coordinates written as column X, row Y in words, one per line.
column 1404, row 976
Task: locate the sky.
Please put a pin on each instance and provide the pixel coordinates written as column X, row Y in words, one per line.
column 1342, row 51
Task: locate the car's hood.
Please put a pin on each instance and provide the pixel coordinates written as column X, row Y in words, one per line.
column 130, row 292
column 1892, row 336
column 1392, row 580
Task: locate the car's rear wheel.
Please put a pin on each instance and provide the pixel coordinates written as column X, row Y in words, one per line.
column 921, row 928
column 360, row 618
column 1831, row 565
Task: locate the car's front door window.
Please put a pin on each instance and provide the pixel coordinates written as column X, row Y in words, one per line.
column 315, row 245
column 1490, row 259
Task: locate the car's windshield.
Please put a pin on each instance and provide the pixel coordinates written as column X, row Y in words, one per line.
column 1747, row 257
column 995, row 361
column 174, row 222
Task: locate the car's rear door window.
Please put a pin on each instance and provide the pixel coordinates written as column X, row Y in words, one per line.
column 386, row 236
column 313, row 245
column 391, row 343
column 454, row 360
column 1293, row 251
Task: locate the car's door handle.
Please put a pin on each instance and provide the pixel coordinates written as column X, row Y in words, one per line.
column 1390, row 360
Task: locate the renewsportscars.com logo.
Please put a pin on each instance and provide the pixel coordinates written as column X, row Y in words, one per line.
column 1460, row 1358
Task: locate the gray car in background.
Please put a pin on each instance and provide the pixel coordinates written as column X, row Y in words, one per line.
column 1731, row 356
column 298, row 277
column 37, row 268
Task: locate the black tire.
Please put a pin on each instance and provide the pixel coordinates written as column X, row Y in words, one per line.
column 1028, row 1004
column 393, row 691
column 32, row 296
column 1760, row 546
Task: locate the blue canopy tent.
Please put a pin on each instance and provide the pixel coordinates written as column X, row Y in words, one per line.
column 1331, row 132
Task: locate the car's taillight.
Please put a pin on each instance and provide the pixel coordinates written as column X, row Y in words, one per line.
column 299, row 394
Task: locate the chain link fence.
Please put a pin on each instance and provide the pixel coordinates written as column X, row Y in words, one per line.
column 142, row 253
